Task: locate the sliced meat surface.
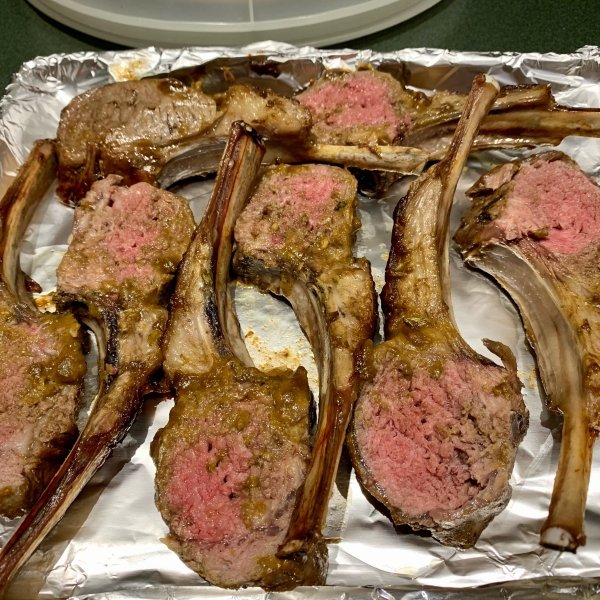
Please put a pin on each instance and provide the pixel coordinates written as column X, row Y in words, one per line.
column 229, row 465
column 304, row 211
column 436, row 441
column 357, row 108
column 126, row 240
column 535, row 227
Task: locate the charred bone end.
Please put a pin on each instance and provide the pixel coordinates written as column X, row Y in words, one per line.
column 16, row 210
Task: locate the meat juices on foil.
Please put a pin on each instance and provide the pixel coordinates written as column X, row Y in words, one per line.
column 435, row 433
column 236, row 449
column 116, row 275
column 294, row 239
column 535, row 228
column 41, row 360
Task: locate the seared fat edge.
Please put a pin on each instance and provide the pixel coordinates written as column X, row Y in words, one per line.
column 273, row 116
column 235, row 451
column 457, row 465
column 41, row 360
column 295, row 239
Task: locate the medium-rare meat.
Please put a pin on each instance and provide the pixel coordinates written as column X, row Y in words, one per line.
column 138, row 128
column 235, row 451
column 294, row 238
column 358, row 107
column 535, row 227
column 41, row 361
column 372, row 107
column 116, row 274
column 435, row 432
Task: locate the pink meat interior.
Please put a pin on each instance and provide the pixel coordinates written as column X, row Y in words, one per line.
column 126, row 223
column 121, row 233
column 416, row 437
column 358, row 100
column 557, row 203
column 209, row 494
column 230, row 495
column 296, row 200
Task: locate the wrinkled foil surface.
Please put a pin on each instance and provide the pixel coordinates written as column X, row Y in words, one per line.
column 108, row 546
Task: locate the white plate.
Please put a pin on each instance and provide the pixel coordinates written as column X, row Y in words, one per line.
column 170, row 23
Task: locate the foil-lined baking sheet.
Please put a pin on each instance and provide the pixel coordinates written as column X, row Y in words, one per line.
column 109, row 544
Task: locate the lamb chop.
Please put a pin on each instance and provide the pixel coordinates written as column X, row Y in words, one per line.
column 41, row 360
column 116, row 274
column 535, row 228
column 294, row 238
column 435, row 433
column 158, row 127
column 235, row 451
column 372, row 107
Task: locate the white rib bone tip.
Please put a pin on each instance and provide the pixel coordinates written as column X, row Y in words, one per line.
column 556, row 537
column 492, row 80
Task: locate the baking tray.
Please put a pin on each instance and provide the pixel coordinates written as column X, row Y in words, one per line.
column 109, row 543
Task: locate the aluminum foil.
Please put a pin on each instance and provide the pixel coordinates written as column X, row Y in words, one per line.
column 109, row 543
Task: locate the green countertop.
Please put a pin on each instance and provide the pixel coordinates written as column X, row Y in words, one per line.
column 479, row 25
